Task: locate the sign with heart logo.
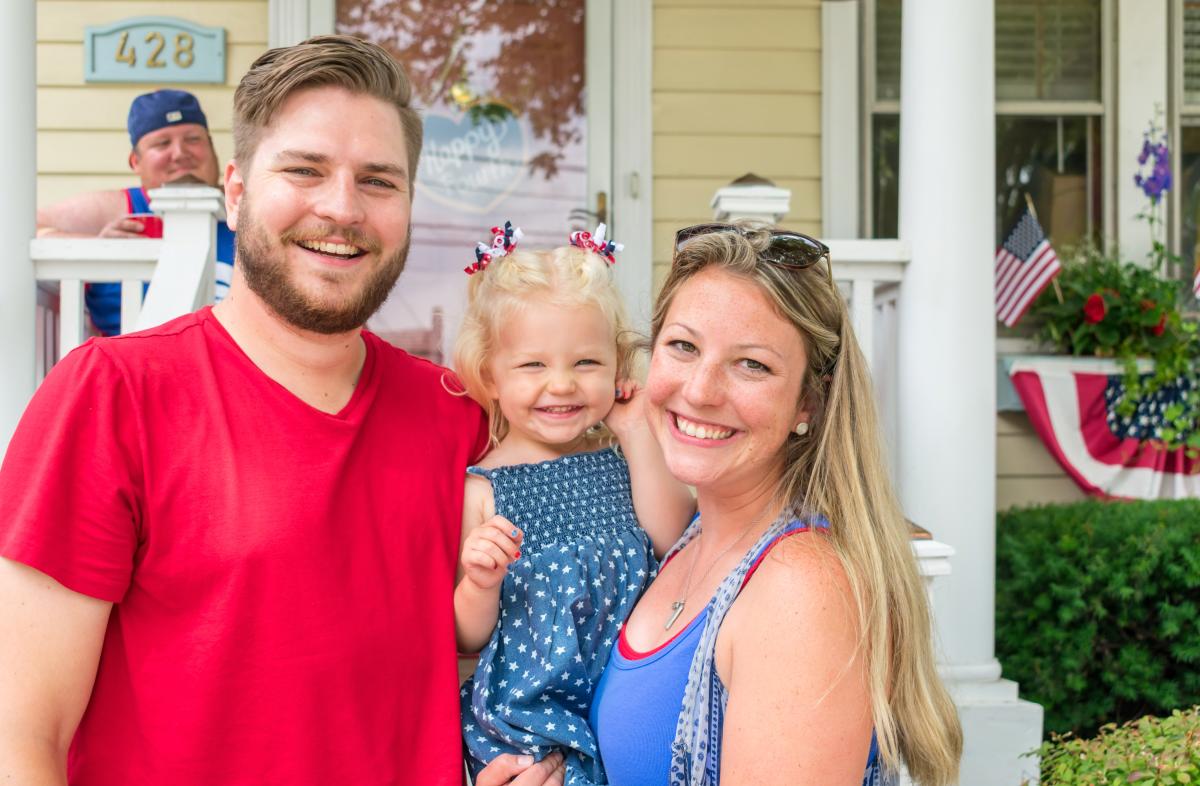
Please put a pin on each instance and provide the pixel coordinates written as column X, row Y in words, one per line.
column 472, row 161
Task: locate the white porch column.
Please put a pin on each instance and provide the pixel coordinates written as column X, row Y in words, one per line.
column 946, row 387
column 18, row 199
column 1141, row 91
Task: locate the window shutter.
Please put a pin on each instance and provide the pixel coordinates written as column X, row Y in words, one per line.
column 1191, row 55
column 1046, row 50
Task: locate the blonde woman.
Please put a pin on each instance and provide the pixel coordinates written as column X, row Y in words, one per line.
column 786, row 639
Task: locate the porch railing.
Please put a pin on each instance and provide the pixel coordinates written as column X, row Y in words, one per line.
column 180, row 268
column 870, row 273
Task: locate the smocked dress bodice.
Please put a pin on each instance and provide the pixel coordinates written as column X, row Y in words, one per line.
column 584, row 563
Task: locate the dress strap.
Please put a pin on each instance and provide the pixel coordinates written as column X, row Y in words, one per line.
column 795, row 526
column 482, row 472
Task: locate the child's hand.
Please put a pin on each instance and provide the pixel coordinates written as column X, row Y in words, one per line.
column 489, row 550
column 628, row 414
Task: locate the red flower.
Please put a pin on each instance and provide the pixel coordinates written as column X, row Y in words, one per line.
column 1094, row 309
column 1160, row 327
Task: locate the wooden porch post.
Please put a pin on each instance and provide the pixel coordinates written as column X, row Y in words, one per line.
column 18, row 197
column 946, row 405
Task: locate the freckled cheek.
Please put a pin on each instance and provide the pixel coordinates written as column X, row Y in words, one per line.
column 660, row 383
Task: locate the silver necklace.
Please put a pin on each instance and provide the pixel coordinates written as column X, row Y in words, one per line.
column 677, row 606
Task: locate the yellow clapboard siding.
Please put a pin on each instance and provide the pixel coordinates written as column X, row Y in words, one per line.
column 737, row 28
column 245, row 21
column 664, row 235
column 708, row 70
column 679, row 198
column 61, row 65
column 55, row 188
column 716, row 156
column 751, row 114
column 98, row 152
column 106, row 107
column 1024, row 455
column 1013, row 492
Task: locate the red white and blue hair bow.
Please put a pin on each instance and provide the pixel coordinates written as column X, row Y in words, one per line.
column 595, row 242
column 504, row 241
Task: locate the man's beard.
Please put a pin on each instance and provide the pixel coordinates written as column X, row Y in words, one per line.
column 339, row 311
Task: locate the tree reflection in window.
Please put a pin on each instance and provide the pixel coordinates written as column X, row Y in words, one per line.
column 488, row 59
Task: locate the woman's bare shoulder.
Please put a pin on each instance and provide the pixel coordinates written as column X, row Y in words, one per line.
column 802, row 582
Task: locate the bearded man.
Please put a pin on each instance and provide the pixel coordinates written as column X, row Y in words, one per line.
column 230, row 541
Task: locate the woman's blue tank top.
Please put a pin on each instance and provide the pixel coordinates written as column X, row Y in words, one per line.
column 637, row 703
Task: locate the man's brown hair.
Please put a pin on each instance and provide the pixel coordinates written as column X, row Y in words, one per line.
column 322, row 61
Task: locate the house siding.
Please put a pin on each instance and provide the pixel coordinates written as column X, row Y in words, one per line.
column 1026, row 473
column 82, row 141
column 735, row 90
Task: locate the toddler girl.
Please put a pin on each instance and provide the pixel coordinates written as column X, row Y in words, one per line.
column 552, row 554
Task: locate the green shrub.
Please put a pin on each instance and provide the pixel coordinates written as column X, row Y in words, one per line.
column 1150, row 751
column 1098, row 609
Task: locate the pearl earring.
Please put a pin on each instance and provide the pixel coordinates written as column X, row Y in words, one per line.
column 801, row 428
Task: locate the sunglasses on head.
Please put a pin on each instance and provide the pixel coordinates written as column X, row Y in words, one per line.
column 789, row 249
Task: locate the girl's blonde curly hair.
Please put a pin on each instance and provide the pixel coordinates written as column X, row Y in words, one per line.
column 567, row 276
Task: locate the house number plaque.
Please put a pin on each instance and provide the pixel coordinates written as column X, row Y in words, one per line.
column 156, row 49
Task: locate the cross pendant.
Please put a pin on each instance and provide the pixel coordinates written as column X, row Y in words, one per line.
column 676, row 610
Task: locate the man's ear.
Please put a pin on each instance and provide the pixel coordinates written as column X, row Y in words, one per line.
column 235, row 186
column 134, row 160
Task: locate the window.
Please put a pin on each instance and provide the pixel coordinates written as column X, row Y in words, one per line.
column 1049, row 116
column 1186, row 138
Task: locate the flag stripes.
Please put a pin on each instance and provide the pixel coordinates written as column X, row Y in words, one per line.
column 1025, row 263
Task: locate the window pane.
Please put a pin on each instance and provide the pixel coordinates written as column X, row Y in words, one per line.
column 1049, row 158
column 1191, row 52
column 1189, row 193
column 1048, row 50
column 887, row 50
column 885, row 164
column 1045, row 49
column 500, row 86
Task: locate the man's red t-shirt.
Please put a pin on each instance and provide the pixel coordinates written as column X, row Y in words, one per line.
column 283, row 577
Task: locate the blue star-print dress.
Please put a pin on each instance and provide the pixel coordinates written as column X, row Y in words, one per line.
column 584, row 563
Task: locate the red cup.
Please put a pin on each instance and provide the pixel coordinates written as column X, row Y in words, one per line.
column 152, row 225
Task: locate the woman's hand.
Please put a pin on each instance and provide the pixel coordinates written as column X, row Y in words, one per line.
column 488, row 551
column 521, row 771
column 628, row 414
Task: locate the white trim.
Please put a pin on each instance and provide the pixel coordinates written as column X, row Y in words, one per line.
column 287, row 22
column 598, row 93
column 840, row 158
column 1175, row 111
column 867, row 112
column 292, row 21
column 322, row 17
column 1142, row 86
column 633, row 173
column 18, row 291
column 1108, row 91
column 1055, row 108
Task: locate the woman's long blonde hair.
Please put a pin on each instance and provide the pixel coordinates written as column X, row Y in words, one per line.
column 838, row 470
column 567, row 276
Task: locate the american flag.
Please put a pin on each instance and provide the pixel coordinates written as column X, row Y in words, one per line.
column 1196, row 283
column 1024, row 266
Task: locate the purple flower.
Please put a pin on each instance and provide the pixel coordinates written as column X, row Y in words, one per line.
column 1156, row 152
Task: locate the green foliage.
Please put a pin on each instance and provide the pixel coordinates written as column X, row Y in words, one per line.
column 1150, row 751
column 1098, row 609
column 1120, row 310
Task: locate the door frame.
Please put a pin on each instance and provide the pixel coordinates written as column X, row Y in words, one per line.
column 620, row 134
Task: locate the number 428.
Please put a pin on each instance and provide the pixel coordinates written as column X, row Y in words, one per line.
column 183, row 55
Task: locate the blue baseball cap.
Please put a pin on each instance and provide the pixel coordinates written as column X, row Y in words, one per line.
column 162, row 108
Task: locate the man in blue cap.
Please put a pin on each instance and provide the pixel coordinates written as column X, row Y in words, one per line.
column 168, row 134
